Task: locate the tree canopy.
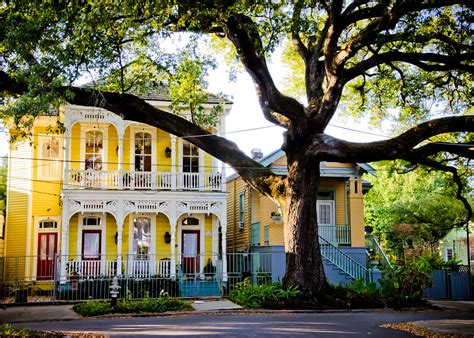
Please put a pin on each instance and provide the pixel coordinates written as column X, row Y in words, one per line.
column 409, row 60
column 412, row 207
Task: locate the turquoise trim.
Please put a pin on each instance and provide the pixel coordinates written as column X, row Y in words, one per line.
column 325, row 172
column 367, row 167
column 270, row 158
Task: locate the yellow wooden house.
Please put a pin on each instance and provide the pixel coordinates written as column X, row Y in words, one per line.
column 106, row 196
column 255, row 223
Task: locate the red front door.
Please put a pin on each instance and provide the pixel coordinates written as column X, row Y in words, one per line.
column 47, row 248
column 190, row 251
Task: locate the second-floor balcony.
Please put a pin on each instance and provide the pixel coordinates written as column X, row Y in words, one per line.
column 143, row 180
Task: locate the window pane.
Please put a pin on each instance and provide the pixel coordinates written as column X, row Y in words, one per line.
column 91, row 245
column 189, row 245
column 94, row 145
column 141, row 237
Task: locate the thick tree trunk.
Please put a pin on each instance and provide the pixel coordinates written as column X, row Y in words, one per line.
column 304, row 267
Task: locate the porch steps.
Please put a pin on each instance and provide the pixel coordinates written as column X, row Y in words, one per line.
column 199, row 288
column 341, row 261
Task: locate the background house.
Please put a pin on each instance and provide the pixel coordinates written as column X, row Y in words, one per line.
column 454, row 246
column 102, row 196
column 255, row 224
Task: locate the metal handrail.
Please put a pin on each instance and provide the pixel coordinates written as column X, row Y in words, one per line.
column 343, row 261
column 373, row 244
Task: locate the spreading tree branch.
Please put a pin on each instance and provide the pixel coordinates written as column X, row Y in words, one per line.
column 330, row 148
column 242, row 31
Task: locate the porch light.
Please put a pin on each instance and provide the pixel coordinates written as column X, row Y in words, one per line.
column 167, row 237
column 168, row 152
column 116, row 237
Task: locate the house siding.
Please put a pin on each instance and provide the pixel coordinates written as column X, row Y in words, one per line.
column 348, row 208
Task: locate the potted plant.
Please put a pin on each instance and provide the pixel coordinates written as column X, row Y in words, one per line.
column 276, row 216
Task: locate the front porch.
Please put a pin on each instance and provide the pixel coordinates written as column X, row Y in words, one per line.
column 137, row 235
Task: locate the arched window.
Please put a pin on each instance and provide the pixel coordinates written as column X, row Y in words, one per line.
column 94, row 150
column 142, row 151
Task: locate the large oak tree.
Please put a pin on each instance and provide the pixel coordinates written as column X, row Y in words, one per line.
column 384, row 58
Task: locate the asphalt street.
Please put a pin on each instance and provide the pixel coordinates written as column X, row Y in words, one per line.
column 352, row 324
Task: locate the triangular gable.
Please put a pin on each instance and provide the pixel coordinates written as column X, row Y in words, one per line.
column 276, row 161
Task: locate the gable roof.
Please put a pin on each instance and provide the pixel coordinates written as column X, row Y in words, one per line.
column 161, row 93
column 268, row 160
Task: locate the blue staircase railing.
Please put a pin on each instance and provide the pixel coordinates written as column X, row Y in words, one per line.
column 344, row 262
column 374, row 247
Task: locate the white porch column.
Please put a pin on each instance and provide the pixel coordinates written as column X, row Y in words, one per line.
column 223, row 177
column 224, row 250
column 119, row 271
column 64, row 238
column 67, row 135
column 120, row 160
column 173, row 163
column 173, row 246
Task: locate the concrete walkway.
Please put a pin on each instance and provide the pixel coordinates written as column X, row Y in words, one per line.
column 215, row 305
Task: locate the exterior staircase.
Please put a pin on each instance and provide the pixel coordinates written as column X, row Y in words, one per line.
column 376, row 253
column 338, row 262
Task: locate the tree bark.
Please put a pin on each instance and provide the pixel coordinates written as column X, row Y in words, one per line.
column 304, row 267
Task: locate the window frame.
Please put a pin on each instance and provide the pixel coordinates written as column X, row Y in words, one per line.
column 103, row 128
column 143, row 129
column 241, row 211
column 48, row 168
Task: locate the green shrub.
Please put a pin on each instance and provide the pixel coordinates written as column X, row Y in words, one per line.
column 95, row 308
column 254, row 297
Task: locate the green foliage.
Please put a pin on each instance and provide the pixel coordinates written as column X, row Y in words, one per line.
column 411, row 211
column 3, row 185
column 254, row 297
column 163, row 304
column 402, row 287
column 186, row 87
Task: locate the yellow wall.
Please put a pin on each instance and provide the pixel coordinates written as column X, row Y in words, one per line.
column 237, row 240
column 73, row 235
column 127, row 162
column 163, row 141
column 75, row 148
column 207, row 250
column 163, row 249
column 112, row 153
column 356, row 213
column 19, row 189
column 111, row 230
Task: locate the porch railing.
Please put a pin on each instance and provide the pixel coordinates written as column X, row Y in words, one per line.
column 336, row 234
column 344, row 262
column 144, row 180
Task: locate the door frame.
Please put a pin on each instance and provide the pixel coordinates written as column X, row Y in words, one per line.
column 91, row 231
column 198, row 240
column 40, row 234
column 31, row 268
column 200, row 227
